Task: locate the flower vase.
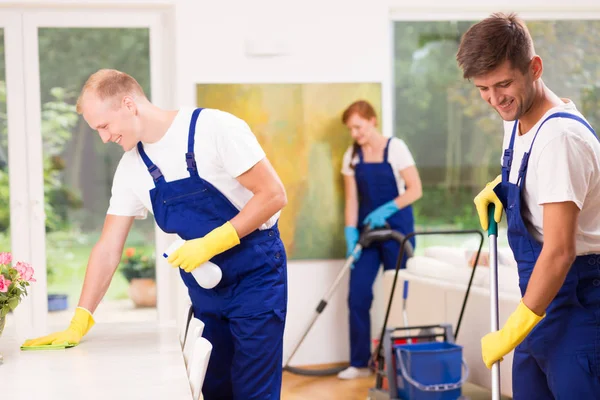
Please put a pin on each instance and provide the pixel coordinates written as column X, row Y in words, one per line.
column 2, row 322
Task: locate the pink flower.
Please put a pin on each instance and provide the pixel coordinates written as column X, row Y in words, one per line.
column 4, row 284
column 25, row 271
column 5, row 258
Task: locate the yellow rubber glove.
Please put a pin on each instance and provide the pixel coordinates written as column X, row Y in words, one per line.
column 81, row 323
column 486, row 197
column 496, row 345
column 196, row 252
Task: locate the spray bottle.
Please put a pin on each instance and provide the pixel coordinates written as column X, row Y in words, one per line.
column 208, row 275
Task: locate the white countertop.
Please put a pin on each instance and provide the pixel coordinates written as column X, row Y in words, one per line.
column 140, row 360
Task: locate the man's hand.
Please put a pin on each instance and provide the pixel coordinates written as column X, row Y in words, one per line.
column 196, row 252
column 484, row 199
column 80, row 325
column 496, row 345
column 103, row 262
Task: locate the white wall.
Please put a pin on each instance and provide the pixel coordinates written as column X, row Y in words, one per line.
column 322, row 41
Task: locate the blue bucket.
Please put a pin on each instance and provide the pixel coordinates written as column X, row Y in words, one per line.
column 430, row 371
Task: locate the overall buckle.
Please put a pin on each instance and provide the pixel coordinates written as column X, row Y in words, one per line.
column 155, row 172
column 507, row 159
column 189, row 159
column 524, row 163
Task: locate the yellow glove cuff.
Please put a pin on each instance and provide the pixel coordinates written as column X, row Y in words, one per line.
column 522, row 320
column 194, row 253
column 222, row 238
column 82, row 321
column 496, row 345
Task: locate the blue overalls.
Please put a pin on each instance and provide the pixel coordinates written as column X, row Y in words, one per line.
column 244, row 315
column 376, row 186
column 560, row 358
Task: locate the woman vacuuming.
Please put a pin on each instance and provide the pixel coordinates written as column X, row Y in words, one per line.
column 381, row 183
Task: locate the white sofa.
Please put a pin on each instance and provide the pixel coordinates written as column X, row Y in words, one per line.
column 437, row 283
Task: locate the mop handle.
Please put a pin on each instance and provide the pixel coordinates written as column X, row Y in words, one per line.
column 493, row 225
column 493, row 236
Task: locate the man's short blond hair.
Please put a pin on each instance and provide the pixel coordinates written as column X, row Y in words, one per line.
column 108, row 83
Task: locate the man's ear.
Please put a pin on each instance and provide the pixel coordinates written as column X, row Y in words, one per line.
column 129, row 104
column 537, row 67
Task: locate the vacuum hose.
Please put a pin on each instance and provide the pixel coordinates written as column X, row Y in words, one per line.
column 367, row 238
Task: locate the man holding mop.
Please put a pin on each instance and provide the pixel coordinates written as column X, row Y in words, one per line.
column 204, row 176
column 550, row 189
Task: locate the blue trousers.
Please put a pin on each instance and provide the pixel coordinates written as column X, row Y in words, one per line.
column 562, row 377
column 245, row 322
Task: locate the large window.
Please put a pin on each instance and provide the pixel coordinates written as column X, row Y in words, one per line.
column 60, row 178
column 455, row 137
column 78, row 167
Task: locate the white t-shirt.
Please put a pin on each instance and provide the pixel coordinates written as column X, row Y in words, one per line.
column 564, row 165
column 399, row 157
column 224, row 148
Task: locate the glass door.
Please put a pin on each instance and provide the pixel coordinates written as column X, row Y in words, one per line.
column 71, row 170
column 14, row 189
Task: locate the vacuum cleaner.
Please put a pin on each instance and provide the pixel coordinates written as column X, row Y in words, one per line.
column 382, row 359
column 367, row 238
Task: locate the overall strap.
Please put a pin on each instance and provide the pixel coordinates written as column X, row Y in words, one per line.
column 189, row 156
column 153, row 169
column 525, row 160
column 574, row 117
column 508, row 155
column 386, row 152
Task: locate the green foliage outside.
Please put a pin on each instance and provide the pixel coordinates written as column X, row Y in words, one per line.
column 455, row 136
column 78, row 167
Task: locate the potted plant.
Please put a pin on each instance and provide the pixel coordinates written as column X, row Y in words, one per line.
column 13, row 286
column 140, row 271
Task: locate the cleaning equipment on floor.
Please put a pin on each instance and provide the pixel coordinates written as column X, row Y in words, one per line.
column 431, row 366
column 430, row 371
column 208, row 275
column 495, row 323
column 367, row 238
